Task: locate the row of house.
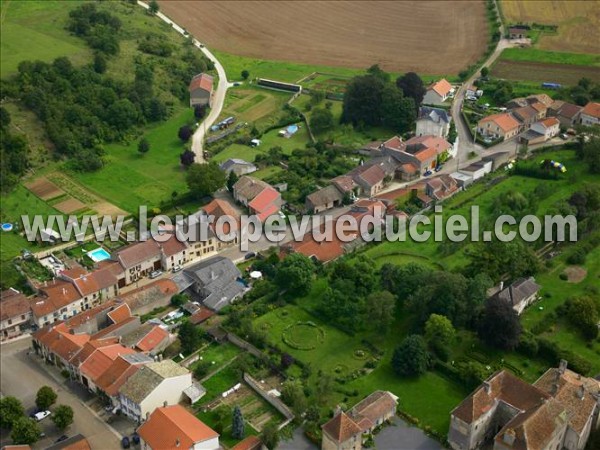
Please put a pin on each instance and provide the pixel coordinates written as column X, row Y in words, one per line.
column 77, row 289
column 558, row 411
column 537, row 118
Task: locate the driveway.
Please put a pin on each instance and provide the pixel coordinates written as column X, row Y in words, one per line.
column 21, row 375
column 218, row 94
column 402, row 436
column 298, row 442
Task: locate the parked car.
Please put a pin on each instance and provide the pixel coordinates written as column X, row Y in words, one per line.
column 155, row 274
column 236, row 84
column 427, row 173
column 249, row 255
column 41, row 415
column 125, row 442
column 177, row 269
column 64, row 437
column 564, row 136
column 438, row 168
column 135, row 438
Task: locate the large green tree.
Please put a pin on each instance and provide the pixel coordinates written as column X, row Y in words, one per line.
column 270, row 435
column 10, row 410
column 237, row 426
column 190, row 337
column 321, row 119
column 380, row 308
column 25, row 431
column 411, row 357
column 295, row 274
column 62, row 416
column 500, row 326
column 439, row 329
column 45, row 397
column 412, row 86
column 205, row 179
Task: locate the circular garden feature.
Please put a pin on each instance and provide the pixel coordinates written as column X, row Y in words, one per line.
column 303, row 335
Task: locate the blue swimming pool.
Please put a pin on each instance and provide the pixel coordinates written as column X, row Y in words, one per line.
column 98, row 255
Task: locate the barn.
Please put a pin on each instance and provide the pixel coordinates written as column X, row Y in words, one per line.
column 201, row 89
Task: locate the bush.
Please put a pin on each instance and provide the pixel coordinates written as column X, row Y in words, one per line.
column 563, row 276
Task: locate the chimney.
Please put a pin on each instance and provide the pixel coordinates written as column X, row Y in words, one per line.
column 337, row 411
column 581, row 392
column 165, row 404
column 487, row 387
column 160, row 357
column 501, row 285
column 562, row 366
column 554, row 389
column 147, row 415
column 509, row 437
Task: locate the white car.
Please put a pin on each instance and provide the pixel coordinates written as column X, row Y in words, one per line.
column 176, row 269
column 155, row 274
column 41, row 415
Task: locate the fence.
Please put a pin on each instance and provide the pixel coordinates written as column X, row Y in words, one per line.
column 218, row 137
column 239, row 342
column 272, row 400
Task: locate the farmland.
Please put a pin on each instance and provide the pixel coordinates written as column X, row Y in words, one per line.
column 567, row 74
column 578, row 22
column 333, row 34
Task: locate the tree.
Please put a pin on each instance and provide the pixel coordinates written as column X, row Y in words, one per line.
column 100, row 63
column 178, row 300
column 321, row 120
column 4, row 117
column 190, row 337
column 362, row 100
column 485, row 71
column 292, row 394
column 245, row 74
column 270, row 435
column 499, row 326
column 10, row 410
column 496, row 258
column 153, row 7
column 397, row 112
column 205, row 179
column 591, row 155
column 185, row 133
column 187, row 158
column 143, row 146
column 412, row 86
column 286, row 360
column 62, row 417
column 202, row 368
column 439, row 330
column 402, row 281
column 25, row 431
column 237, row 426
column 295, row 274
column 199, row 111
column 231, row 180
column 45, row 397
column 380, row 310
column 584, row 313
column 411, row 357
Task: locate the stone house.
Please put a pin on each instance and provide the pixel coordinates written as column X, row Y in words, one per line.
column 324, row 199
column 15, row 314
column 520, row 294
column 139, row 260
column 590, row 114
column 437, row 93
column 433, row 122
column 498, row 126
column 201, row 90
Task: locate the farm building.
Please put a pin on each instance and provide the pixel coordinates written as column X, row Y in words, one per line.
column 590, row 114
column 518, row 32
column 463, row 180
column 324, row 199
column 201, row 90
column 498, row 126
column 418, row 153
column 438, row 92
column 238, row 166
column 497, row 159
column 280, row 85
column 433, row 122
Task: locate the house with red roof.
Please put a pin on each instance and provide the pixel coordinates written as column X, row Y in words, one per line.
column 15, row 313
column 590, row 114
column 261, row 198
column 139, row 259
column 498, row 126
column 418, row 154
column 56, row 300
column 148, row 338
column 175, row 428
column 201, row 90
column 566, row 113
column 437, row 93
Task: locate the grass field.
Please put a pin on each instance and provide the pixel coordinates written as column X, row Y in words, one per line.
column 578, row 22
column 253, row 104
column 322, row 33
column 534, row 54
column 42, row 25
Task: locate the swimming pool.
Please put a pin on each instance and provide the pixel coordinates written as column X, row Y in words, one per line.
column 98, row 254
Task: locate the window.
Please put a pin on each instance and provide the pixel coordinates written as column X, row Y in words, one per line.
column 9, row 321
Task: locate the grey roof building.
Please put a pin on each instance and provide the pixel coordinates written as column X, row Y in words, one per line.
column 216, row 281
column 238, row 166
column 520, row 294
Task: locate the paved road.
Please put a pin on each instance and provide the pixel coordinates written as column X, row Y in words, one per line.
column 401, row 436
column 21, row 375
column 218, row 94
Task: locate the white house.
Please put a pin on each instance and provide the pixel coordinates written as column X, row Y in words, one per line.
column 152, row 386
column 477, row 170
column 549, row 128
column 174, row 427
column 590, row 114
column 433, row 122
column 438, row 92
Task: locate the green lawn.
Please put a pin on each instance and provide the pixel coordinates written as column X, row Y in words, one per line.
column 220, row 382
column 39, row 24
column 533, row 54
column 129, row 179
column 218, row 355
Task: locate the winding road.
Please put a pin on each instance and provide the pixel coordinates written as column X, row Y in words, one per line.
column 218, row 94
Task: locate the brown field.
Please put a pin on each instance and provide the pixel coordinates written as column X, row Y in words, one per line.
column 578, row 22
column 69, row 205
column 544, row 72
column 428, row 37
column 575, row 274
column 44, row 189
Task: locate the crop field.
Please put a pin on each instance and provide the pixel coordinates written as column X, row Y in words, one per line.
column 568, row 74
column 342, row 34
column 578, row 22
column 253, row 104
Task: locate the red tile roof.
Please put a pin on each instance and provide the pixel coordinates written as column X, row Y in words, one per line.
column 504, row 120
column 116, row 375
column 551, row 121
column 222, row 208
column 265, row 203
column 173, row 427
column 441, row 87
column 13, row 304
column 341, row 428
column 201, row 81
column 201, row 315
column 172, row 246
column 155, row 337
column 54, row 296
column 136, row 253
column 120, row 313
column 592, row 109
column 250, row 443
column 101, row 360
